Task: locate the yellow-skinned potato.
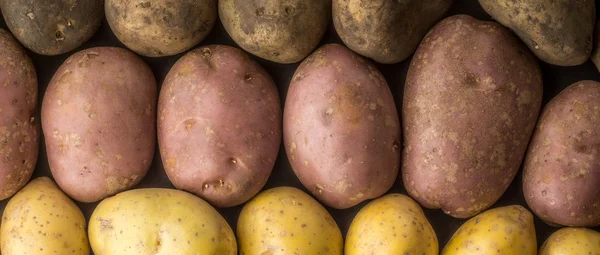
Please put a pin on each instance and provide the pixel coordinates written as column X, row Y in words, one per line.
column 393, row 224
column 40, row 219
column 286, row 220
column 505, row 230
column 159, row 221
column 572, row 241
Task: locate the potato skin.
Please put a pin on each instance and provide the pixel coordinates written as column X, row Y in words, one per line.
column 19, row 128
column 558, row 32
column 386, row 31
column 561, row 173
column 282, row 31
column 40, row 219
column 219, row 125
column 285, row 220
column 341, row 128
column 471, row 99
column 98, row 117
column 596, row 50
column 397, row 222
column 161, row 27
column 572, row 241
column 52, row 27
column 159, row 221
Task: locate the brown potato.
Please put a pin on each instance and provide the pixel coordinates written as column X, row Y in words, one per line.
column 596, row 51
column 471, row 99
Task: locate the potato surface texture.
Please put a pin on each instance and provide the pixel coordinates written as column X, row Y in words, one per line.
column 161, row 222
column 41, row 220
column 471, row 100
column 572, row 241
column 285, row 220
column 392, row 224
column 219, row 125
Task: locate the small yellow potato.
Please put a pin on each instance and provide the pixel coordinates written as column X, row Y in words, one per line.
column 572, row 241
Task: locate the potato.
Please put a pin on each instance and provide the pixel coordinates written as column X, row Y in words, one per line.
column 505, row 230
column 159, row 221
column 386, row 31
column 52, row 27
column 219, row 125
column 393, row 224
column 40, row 219
column 98, row 118
column 558, row 32
column 341, row 129
column 471, row 99
column 285, row 220
column 161, row 27
column 19, row 137
column 283, row 31
column 596, row 50
column 561, row 173
column 572, row 241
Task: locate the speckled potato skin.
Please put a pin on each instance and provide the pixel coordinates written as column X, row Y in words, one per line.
column 392, row 224
column 52, row 27
column 219, row 125
column 19, row 128
column 471, row 100
column 160, row 28
column 558, row 32
column 596, row 50
column 341, row 128
column 99, row 122
column 569, row 241
column 505, row 230
column 386, row 31
column 282, row 31
column 285, row 220
column 40, row 219
column 561, row 174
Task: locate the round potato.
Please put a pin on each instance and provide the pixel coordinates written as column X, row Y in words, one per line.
column 558, row 32
column 341, row 128
column 98, row 117
column 596, row 50
column 159, row 221
column 219, row 125
column 561, row 173
column 393, row 224
column 161, row 27
column 286, row 220
column 19, row 135
column 572, row 241
column 40, row 219
column 471, row 100
column 52, row 27
column 386, row 31
column 282, row 31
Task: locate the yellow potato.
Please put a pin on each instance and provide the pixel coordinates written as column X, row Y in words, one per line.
column 286, row 220
column 393, row 224
column 159, row 221
column 572, row 241
column 505, row 230
column 40, row 219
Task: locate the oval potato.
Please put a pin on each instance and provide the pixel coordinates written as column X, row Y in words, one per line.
column 572, row 241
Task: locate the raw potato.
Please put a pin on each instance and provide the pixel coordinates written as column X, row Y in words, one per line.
column 52, row 27
column 40, row 219
column 505, row 230
column 397, row 222
column 596, row 50
column 159, row 221
column 219, row 125
column 471, row 100
column 285, row 220
column 99, row 121
column 19, row 137
column 561, row 173
column 558, row 32
column 386, row 31
column 341, row 128
column 568, row 241
column 282, row 31
column 160, row 28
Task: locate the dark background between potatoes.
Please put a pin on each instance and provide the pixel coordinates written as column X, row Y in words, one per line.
column 555, row 79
